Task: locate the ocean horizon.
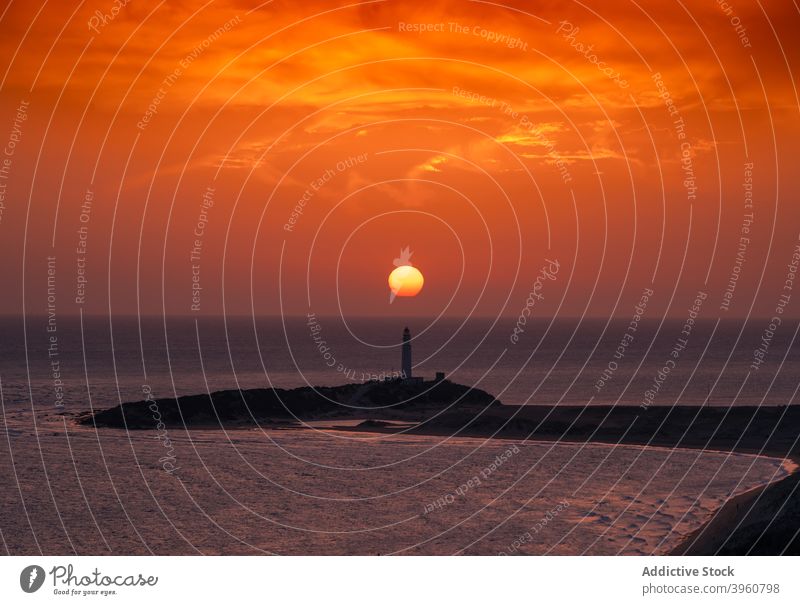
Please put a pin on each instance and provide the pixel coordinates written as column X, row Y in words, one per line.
column 559, row 362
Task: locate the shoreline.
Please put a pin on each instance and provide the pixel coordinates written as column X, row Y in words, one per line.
column 762, row 520
column 752, row 522
column 743, row 524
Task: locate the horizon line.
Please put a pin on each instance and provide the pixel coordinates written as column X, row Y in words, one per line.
column 398, row 317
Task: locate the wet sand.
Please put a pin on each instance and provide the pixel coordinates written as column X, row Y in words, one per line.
column 764, row 520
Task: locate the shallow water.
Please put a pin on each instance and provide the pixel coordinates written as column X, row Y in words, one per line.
column 560, row 362
column 320, row 491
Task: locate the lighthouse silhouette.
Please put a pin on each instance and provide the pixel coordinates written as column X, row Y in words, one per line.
column 405, row 358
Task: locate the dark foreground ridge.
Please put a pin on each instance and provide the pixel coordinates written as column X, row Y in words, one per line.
column 282, row 406
column 767, row 430
column 762, row 521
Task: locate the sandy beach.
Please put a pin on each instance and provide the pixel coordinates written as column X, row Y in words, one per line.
column 762, row 520
column 343, row 486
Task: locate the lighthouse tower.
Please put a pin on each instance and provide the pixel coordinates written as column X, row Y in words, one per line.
column 405, row 361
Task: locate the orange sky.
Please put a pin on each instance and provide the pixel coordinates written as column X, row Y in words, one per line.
column 492, row 143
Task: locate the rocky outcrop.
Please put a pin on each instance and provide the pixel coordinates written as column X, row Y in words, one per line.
column 255, row 406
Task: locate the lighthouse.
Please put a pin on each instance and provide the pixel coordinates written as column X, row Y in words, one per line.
column 405, row 358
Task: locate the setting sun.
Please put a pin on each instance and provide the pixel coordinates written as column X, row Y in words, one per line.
column 406, row 281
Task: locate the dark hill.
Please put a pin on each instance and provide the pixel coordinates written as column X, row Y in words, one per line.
column 270, row 405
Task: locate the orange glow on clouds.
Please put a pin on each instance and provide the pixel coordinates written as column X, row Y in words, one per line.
column 498, row 135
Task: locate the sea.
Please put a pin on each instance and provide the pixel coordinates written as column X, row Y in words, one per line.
column 83, row 362
column 323, row 489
